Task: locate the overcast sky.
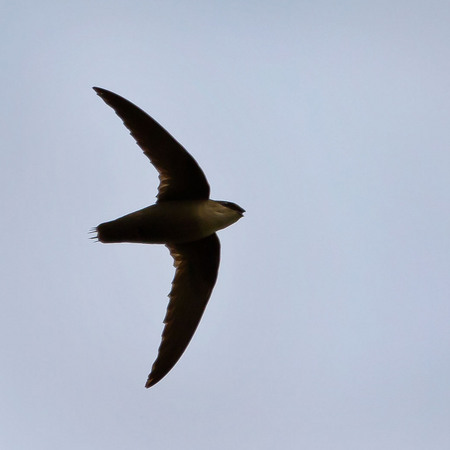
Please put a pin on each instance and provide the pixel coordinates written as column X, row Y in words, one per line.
column 328, row 122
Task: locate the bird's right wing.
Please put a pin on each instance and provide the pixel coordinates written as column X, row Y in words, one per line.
column 180, row 177
column 197, row 264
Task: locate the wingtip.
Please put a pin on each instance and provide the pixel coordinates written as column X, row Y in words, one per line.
column 154, row 377
column 101, row 92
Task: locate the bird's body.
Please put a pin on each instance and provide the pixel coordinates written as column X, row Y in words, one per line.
column 172, row 222
column 184, row 218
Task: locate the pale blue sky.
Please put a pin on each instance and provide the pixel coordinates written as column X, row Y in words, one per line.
column 328, row 122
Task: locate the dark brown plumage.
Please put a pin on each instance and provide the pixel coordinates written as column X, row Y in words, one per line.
column 183, row 218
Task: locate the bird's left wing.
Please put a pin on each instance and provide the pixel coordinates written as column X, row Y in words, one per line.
column 180, row 177
column 197, row 264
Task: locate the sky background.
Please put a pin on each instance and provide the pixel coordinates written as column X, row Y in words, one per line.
column 328, row 122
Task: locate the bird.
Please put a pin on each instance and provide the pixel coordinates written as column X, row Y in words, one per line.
column 183, row 218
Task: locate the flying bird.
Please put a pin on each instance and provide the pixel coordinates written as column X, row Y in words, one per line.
column 183, row 218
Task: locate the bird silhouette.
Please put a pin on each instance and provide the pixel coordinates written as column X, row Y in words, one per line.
column 183, row 218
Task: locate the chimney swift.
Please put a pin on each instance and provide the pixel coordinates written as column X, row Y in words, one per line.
column 183, row 218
